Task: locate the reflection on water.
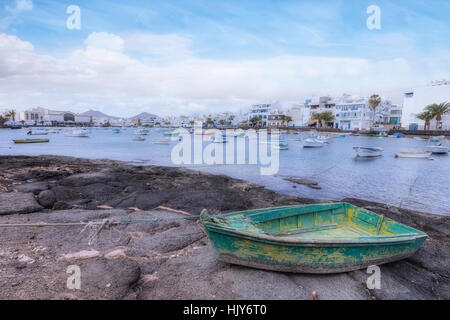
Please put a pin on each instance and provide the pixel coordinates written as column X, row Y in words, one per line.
column 412, row 183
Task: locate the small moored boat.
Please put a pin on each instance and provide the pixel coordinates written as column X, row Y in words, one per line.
column 417, row 155
column 77, row 133
column 437, row 149
column 162, row 141
column 368, row 151
column 31, row 140
column 37, row 133
column 318, row 238
column 312, row 143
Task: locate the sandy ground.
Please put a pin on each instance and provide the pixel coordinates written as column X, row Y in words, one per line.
column 169, row 258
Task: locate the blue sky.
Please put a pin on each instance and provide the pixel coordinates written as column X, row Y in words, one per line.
column 232, row 39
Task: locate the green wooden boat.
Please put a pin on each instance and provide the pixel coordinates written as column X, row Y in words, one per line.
column 31, row 140
column 318, row 238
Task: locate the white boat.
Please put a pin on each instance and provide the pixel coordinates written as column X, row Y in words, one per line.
column 417, row 155
column 280, row 144
column 77, row 134
column 368, row 151
column 437, row 149
column 142, row 132
column 138, row 138
column 419, row 138
column 162, row 141
column 37, row 133
column 313, row 143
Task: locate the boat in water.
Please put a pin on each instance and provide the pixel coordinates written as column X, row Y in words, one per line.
column 116, row 130
column 162, row 141
column 138, row 138
column 82, row 133
column 280, row 144
column 313, row 143
column 317, row 238
column 171, row 134
column 416, row 155
column 142, row 132
column 398, row 135
column 437, row 149
column 37, row 133
column 31, row 140
column 368, row 151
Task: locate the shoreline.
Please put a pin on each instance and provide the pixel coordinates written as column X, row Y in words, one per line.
column 159, row 259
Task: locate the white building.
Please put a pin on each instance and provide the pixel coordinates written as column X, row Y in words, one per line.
column 261, row 112
column 42, row 115
column 299, row 114
column 416, row 100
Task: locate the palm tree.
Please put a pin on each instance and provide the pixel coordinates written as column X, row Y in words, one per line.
column 327, row 116
column 438, row 110
column 425, row 116
column 254, row 121
column 374, row 102
column 2, row 121
column 11, row 115
column 323, row 117
column 318, row 117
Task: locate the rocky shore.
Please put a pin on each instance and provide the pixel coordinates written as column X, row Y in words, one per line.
column 169, row 258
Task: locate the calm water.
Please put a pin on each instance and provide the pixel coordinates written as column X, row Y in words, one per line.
column 410, row 183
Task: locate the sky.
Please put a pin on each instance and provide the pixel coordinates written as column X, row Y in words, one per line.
column 185, row 57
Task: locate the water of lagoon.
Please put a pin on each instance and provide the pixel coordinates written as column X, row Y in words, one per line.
column 417, row 184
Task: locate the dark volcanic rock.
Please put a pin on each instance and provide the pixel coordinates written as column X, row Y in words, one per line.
column 34, row 187
column 17, row 202
column 47, row 199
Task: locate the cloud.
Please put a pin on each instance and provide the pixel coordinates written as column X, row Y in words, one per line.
column 104, row 40
column 105, row 75
column 20, row 6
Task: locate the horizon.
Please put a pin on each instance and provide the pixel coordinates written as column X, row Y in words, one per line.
column 190, row 57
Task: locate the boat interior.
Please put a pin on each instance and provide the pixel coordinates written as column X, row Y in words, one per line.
column 318, row 221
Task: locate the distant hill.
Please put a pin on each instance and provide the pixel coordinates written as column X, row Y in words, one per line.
column 98, row 114
column 144, row 115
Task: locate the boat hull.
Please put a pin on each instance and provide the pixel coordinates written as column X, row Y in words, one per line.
column 308, row 258
column 32, row 141
column 368, row 152
column 437, row 149
column 413, row 155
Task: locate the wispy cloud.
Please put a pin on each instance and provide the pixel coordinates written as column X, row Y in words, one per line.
column 20, row 6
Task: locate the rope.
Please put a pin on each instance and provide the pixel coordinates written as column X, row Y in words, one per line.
column 95, row 228
column 104, row 224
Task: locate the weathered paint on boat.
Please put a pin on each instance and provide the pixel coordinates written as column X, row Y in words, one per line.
column 319, row 238
column 31, row 140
